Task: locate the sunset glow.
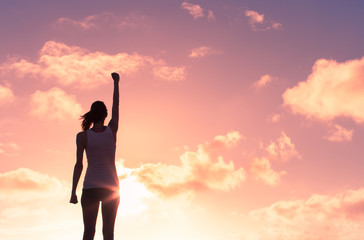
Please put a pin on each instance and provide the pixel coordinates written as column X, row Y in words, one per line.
column 239, row 120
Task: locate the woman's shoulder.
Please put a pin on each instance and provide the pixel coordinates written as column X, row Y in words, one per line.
column 81, row 138
column 81, row 134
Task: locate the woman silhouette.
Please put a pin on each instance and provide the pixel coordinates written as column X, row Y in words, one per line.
column 101, row 182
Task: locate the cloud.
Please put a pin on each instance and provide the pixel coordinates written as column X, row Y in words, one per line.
column 193, row 9
column 278, row 151
column 282, row 149
column 339, row 134
column 203, row 51
column 6, row 95
column 227, row 141
column 78, row 67
column 263, row 81
column 276, row 117
column 100, row 20
column 9, row 148
column 254, row 17
column 200, row 170
column 211, row 16
column 196, row 11
column 55, row 104
column 258, row 22
column 338, row 217
column 24, row 184
column 333, row 89
column 277, row 25
column 262, row 171
column 31, row 201
column 170, row 73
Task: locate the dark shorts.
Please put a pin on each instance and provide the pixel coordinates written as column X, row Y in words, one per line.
column 99, row 194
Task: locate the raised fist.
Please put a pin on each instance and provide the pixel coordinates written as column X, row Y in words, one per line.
column 115, row 76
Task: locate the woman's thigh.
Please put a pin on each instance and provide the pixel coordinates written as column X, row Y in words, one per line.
column 109, row 208
column 90, row 208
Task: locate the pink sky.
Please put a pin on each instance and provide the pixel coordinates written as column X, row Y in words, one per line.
column 239, row 120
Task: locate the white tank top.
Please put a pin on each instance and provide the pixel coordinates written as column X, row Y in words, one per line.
column 100, row 153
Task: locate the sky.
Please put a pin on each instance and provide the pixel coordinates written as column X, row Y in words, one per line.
column 239, row 120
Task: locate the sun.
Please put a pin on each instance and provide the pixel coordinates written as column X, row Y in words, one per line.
column 134, row 195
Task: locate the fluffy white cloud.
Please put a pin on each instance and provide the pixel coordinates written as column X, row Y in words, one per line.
column 78, row 67
column 262, row 171
column 339, row 134
column 198, row 171
column 263, row 81
column 338, row 217
column 6, row 95
column 258, row 22
column 332, row 90
column 55, row 104
column 282, row 149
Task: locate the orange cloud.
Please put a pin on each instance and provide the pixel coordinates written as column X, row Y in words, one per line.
column 282, row 149
column 263, row 81
column 258, row 22
column 27, row 201
column 262, row 171
column 23, row 184
column 193, row 9
column 26, row 179
column 227, row 141
column 55, row 104
column 198, row 171
column 75, row 66
column 338, row 217
column 339, row 134
column 332, row 90
column 6, row 95
column 201, row 52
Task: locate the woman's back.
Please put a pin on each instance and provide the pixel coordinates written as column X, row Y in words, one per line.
column 100, row 152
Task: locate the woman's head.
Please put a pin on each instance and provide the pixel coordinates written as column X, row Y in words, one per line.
column 97, row 113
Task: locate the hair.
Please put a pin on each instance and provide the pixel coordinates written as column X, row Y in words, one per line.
column 97, row 113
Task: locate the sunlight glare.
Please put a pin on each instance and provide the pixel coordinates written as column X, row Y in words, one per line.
column 133, row 195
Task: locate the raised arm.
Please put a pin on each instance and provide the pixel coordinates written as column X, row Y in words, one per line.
column 114, row 122
column 81, row 145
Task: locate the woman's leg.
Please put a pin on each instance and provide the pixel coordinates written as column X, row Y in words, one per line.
column 109, row 210
column 90, row 208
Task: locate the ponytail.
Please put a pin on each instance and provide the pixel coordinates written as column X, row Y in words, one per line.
column 87, row 120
